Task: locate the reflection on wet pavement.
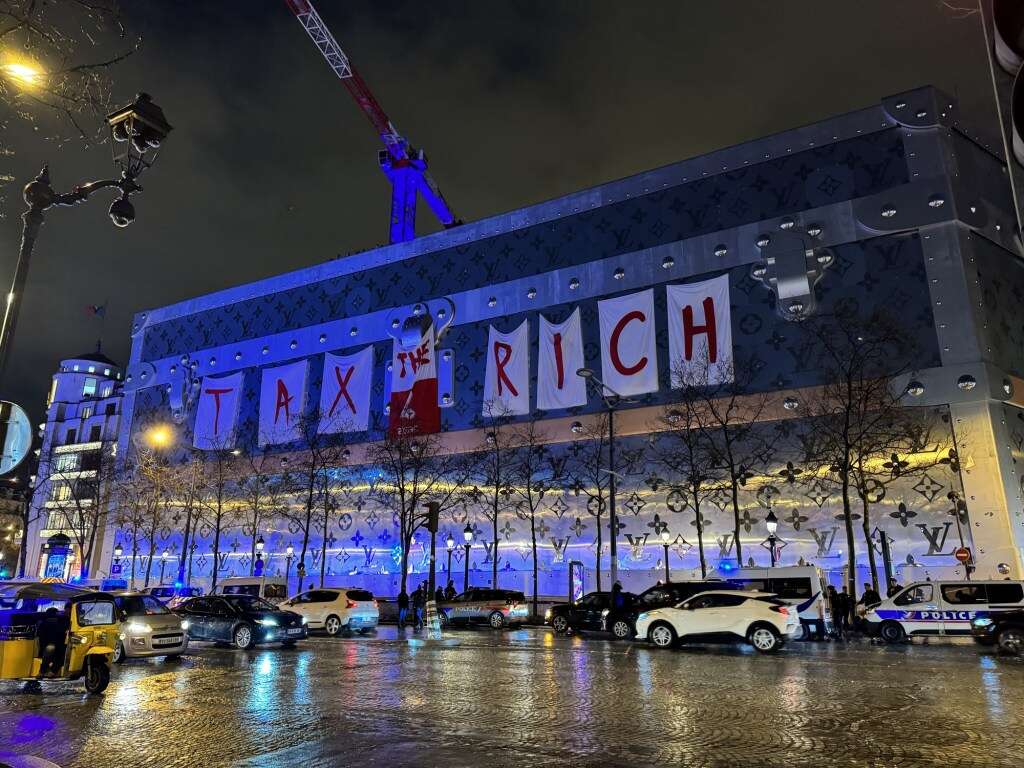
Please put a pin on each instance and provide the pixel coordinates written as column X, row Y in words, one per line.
column 527, row 698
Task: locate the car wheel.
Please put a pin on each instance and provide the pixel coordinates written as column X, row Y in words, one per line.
column 892, row 632
column 243, row 637
column 765, row 639
column 621, row 629
column 332, row 625
column 1011, row 640
column 365, row 631
column 496, row 620
column 443, row 618
column 288, row 643
column 662, row 635
column 118, row 653
column 97, row 676
column 560, row 624
column 174, row 657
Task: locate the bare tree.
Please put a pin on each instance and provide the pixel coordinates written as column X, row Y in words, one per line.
column 184, row 487
column 534, row 475
column 217, row 499
column 262, row 489
column 413, row 470
column 494, row 463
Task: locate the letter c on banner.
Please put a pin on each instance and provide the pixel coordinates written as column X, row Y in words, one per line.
column 613, row 344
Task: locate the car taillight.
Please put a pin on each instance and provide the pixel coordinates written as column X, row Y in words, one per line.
column 780, row 609
column 375, row 604
column 350, row 603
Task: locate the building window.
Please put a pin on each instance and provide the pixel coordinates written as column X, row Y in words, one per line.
column 108, row 390
column 86, row 412
column 70, row 436
column 60, row 492
column 53, row 392
column 106, row 371
column 111, row 409
column 89, row 390
column 92, row 369
column 95, row 434
column 66, row 462
column 74, row 367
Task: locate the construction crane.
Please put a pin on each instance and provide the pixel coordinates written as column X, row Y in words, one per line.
column 404, row 165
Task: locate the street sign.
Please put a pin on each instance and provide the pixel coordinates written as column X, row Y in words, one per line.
column 115, row 569
column 963, row 554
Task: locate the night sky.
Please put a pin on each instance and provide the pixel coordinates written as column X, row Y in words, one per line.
column 272, row 167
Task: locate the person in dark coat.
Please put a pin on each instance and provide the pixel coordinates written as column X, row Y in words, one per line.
column 894, row 587
column 52, row 633
column 449, row 591
column 618, row 601
column 403, row 608
column 439, row 594
column 837, row 607
column 419, row 602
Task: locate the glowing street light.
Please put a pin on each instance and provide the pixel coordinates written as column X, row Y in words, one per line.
column 159, row 436
column 23, row 74
column 467, row 534
column 450, row 545
column 665, row 538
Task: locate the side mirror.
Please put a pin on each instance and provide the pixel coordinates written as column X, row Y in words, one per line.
column 122, row 615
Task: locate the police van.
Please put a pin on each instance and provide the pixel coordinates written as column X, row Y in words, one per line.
column 798, row 585
column 941, row 608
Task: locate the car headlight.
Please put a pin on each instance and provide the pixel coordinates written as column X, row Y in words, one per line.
column 548, row 614
column 604, row 614
column 981, row 621
column 184, row 625
column 304, row 619
column 642, row 617
column 267, row 622
column 137, row 627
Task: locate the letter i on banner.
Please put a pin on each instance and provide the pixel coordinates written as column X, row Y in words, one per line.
column 345, row 392
column 507, row 381
column 629, row 360
column 282, row 403
column 560, row 356
column 700, row 332
column 217, row 412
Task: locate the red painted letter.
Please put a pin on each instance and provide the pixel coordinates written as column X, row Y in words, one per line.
column 709, row 329
column 613, row 344
column 558, row 360
column 499, row 366
column 284, row 400
column 343, row 389
column 216, row 406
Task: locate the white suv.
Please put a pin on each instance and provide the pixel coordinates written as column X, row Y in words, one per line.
column 336, row 610
column 759, row 618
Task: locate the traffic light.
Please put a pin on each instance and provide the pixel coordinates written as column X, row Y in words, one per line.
column 433, row 512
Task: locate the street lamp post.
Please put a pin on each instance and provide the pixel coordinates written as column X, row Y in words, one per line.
column 289, row 551
column 665, row 537
column 612, row 401
column 467, row 534
column 137, row 131
column 163, row 562
column 450, row 545
column 772, row 524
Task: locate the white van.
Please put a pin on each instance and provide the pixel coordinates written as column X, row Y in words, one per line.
column 941, row 607
column 271, row 589
column 799, row 585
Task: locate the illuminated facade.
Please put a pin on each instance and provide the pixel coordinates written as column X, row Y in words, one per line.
column 892, row 207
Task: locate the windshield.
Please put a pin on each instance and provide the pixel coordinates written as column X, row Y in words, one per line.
column 242, row 589
column 141, row 605
column 249, row 603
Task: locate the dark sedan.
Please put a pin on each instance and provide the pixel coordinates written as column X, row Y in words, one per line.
column 587, row 613
column 622, row 621
column 1002, row 628
column 241, row 620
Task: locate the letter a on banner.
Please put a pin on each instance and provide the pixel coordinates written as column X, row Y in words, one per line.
column 282, row 403
column 629, row 361
column 217, row 412
column 700, row 332
column 560, row 356
column 345, row 392
column 507, row 382
column 414, row 408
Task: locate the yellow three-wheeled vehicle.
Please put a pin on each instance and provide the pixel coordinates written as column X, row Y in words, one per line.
column 56, row 631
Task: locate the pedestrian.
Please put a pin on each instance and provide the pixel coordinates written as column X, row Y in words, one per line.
column 618, row 601
column 837, row 607
column 869, row 597
column 894, row 587
column 53, row 634
column 419, row 602
column 847, row 609
column 449, row 591
column 403, row 608
column 439, row 595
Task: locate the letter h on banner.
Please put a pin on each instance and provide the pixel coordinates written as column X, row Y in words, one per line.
column 700, row 332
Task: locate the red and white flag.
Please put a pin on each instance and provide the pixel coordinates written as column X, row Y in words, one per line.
column 507, row 381
column 413, row 405
column 345, row 392
column 282, row 403
column 629, row 360
column 560, row 355
column 217, row 412
column 700, row 332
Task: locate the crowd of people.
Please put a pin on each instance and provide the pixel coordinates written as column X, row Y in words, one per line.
column 418, row 601
column 846, row 612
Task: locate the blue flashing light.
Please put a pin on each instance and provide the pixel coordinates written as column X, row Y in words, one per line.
column 178, row 585
column 726, row 566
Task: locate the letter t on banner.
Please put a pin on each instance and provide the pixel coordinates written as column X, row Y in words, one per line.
column 629, row 358
column 700, row 332
column 507, row 381
column 217, row 413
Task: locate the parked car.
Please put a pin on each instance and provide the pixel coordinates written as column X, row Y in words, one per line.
column 759, row 618
column 800, row 586
column 171, row 596
column 1004, row 629
column 336, row 610
column 589, row 612
column 495, row 607
column 941, row 608
column 273, row 589
column 621, row 622
column 240, row 620
column 148, row 628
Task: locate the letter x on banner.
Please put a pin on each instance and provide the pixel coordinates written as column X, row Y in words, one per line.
column 700, row 333
column 507, row 381
column 345, row 392
column 217, row 412
column 629, row 361
column 282, row 402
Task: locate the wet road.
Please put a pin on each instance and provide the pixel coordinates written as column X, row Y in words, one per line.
column 526, row 698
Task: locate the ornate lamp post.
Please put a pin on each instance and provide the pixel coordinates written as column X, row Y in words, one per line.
column 467, row 534
column 450, row 545
column 137, row 131
column 771, row 522
column 289, row 551
column 118, row 552
column 163, row 562
column 665, row 537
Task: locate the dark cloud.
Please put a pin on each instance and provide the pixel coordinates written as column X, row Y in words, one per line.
column 271, row 167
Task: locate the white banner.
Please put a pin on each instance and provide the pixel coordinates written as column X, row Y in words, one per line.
column 507, row 383
column 700, row 332
column 629, row 361
column 345, row 392
column 282, row 400
column 560, row 355
column 217, row 412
